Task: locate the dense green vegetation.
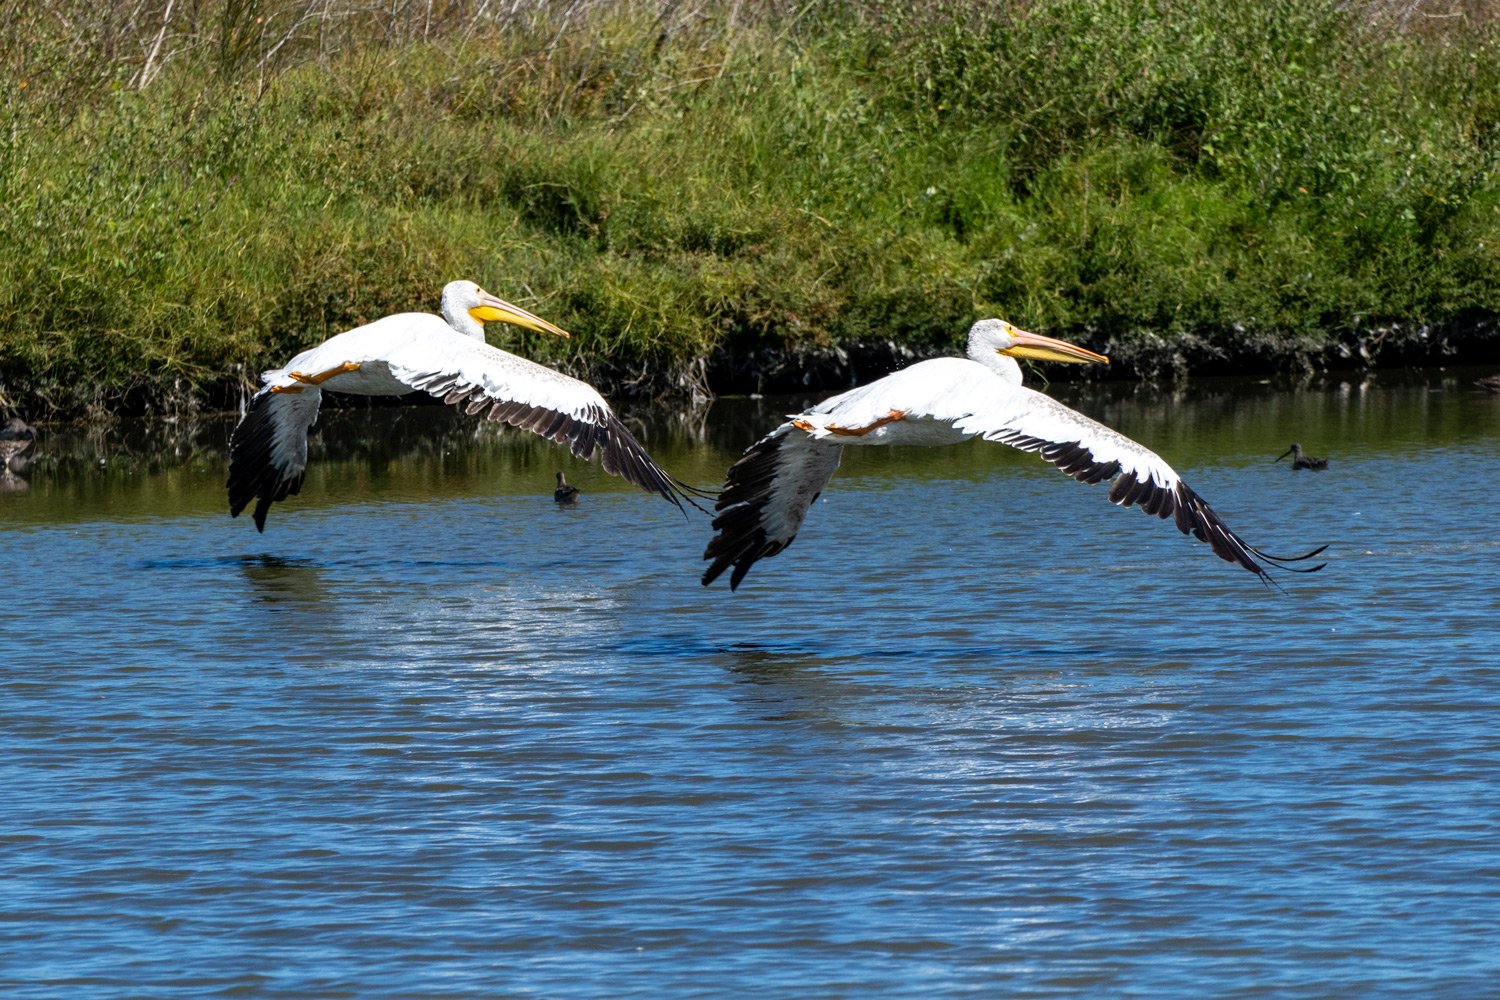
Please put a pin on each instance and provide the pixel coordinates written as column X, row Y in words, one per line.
column 730, row 193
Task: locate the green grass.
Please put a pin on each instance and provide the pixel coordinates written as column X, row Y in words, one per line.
column 1182, row 184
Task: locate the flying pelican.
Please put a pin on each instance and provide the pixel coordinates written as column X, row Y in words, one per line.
column 566, row 493
column 1301, row 461
column 410, row 351
column 945, row 401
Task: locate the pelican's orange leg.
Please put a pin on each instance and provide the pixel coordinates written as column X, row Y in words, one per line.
column 889, row 418
column 321, row 377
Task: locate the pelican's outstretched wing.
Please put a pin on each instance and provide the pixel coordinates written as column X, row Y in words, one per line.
column 765, row 498
column 1091, row 453
column 769, row 490
column 480, row 379
column 268, row 450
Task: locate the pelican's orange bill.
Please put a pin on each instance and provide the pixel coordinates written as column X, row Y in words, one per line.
column 1040, row 348
column 496, row 310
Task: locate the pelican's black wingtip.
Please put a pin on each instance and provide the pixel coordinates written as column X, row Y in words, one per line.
column 692, row 503
column 1269, row 582
column 1306, row 555
column 692, row 494
column 1280, row 562
column 720, row 564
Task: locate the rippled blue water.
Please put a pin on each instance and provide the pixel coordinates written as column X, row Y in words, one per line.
column 975, row 732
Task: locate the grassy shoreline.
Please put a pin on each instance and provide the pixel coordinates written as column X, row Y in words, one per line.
column 718, row 200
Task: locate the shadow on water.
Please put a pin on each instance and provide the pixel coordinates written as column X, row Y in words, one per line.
column 277, row 580
column 263, row 561
column 769, row 660
column 763, row 665
column 272, row 579
column 782, row 687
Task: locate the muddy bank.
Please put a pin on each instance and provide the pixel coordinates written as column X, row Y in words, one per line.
column 747, row 369
column 1471, row 340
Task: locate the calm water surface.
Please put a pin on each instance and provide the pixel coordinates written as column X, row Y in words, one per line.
column 976, row 732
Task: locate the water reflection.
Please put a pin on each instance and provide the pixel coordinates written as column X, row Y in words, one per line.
column 138, row 468
column 16, row 439
column 363, row 453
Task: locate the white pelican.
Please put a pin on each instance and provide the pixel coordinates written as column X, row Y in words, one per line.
column 411, row 351
column 945, row 401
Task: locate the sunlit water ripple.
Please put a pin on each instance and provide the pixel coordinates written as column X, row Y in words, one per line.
column 976, row 732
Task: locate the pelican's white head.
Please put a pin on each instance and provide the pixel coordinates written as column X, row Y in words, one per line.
column 992, row 342
column 467, row 307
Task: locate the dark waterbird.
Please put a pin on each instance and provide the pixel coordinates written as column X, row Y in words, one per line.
column 565, row 494
column 1301, row 461
column 1490, row 382
column 15, row 438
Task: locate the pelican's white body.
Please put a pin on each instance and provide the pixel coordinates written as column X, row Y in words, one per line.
column 393, row 351
column 370, row 346
column 923, row 394
column 950, row 400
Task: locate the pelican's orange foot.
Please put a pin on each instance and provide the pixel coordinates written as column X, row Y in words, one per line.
column 321, row 377
column 889, row 418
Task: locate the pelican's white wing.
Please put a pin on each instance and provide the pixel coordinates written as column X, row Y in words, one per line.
column 479, row 378
column 1091, row 453
column 765, row 498
column 414, row 351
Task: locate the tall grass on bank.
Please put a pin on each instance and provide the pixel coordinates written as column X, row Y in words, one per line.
column 719, row 193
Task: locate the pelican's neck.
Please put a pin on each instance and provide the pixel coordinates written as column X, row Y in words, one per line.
column 1002, row 365
column 458, row 317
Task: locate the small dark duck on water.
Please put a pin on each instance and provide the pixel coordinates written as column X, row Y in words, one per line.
column 1301, row 461
column 565, row 494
